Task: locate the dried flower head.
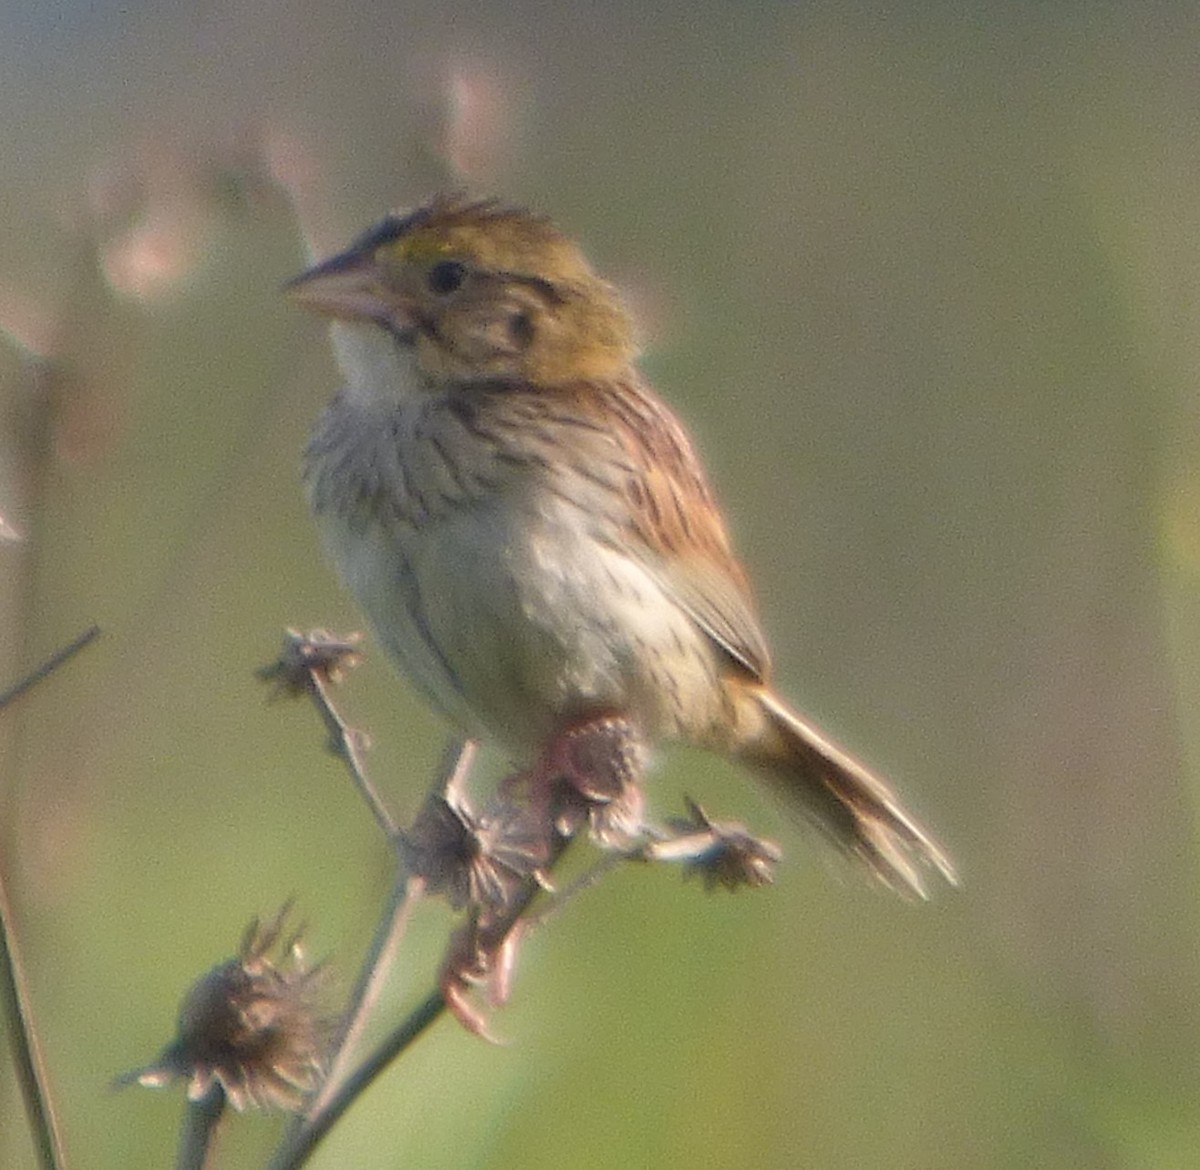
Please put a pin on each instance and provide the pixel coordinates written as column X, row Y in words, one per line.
column 477, row 860
column 253, row 1025
column 723, row 853
column 317, row 654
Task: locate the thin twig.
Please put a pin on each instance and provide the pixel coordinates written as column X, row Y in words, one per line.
column 307, row 664
column 201, row 1119
column 346, row 742
column 406, row 891
column 14, row 990
column 26, row 1056
column 342, row 1087
column 51, row 664
column 376, row 968
column 299, row 1148
column 588, row 879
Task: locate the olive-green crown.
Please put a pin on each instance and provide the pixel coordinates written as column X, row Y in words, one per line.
column 492, row 234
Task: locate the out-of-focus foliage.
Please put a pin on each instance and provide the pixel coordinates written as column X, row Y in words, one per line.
column 922, row 278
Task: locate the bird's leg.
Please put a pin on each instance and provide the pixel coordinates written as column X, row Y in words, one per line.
column 599, row 756
column 590, row 773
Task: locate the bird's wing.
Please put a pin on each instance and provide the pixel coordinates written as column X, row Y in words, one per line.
column 675, row 528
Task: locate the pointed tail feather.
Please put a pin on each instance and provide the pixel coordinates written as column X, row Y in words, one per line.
column 856, row 809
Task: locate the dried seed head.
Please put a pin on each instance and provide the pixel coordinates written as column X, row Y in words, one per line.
column 317, row 654
column 477, row 860
column 723, row 853
column 253, row 1025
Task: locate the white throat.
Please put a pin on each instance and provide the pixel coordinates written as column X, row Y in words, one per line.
column 378, row 369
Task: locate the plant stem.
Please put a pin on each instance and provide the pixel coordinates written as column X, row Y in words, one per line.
column 300, row 1145
column 14, row 992
column 196, row 1136
column 51, row 664
column 346, row 744
column 29, row 1067
column 406, row 890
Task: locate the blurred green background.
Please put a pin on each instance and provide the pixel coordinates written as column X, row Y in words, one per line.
column 924, row 279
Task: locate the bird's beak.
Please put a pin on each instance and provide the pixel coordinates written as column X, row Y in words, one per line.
column 348, row 286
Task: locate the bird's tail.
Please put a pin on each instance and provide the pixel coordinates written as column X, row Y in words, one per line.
column 854, row 808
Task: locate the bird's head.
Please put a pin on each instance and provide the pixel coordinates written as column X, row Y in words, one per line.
column 482, row 292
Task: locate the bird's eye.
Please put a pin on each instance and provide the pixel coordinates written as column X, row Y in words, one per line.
column 446, row 276
column 520, row 329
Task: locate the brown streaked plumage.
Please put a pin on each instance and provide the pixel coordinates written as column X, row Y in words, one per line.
column 528, row 527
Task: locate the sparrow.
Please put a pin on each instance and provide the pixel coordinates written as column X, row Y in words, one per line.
column 530, row 533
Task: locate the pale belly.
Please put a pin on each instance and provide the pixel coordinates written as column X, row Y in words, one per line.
column 514, row 626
